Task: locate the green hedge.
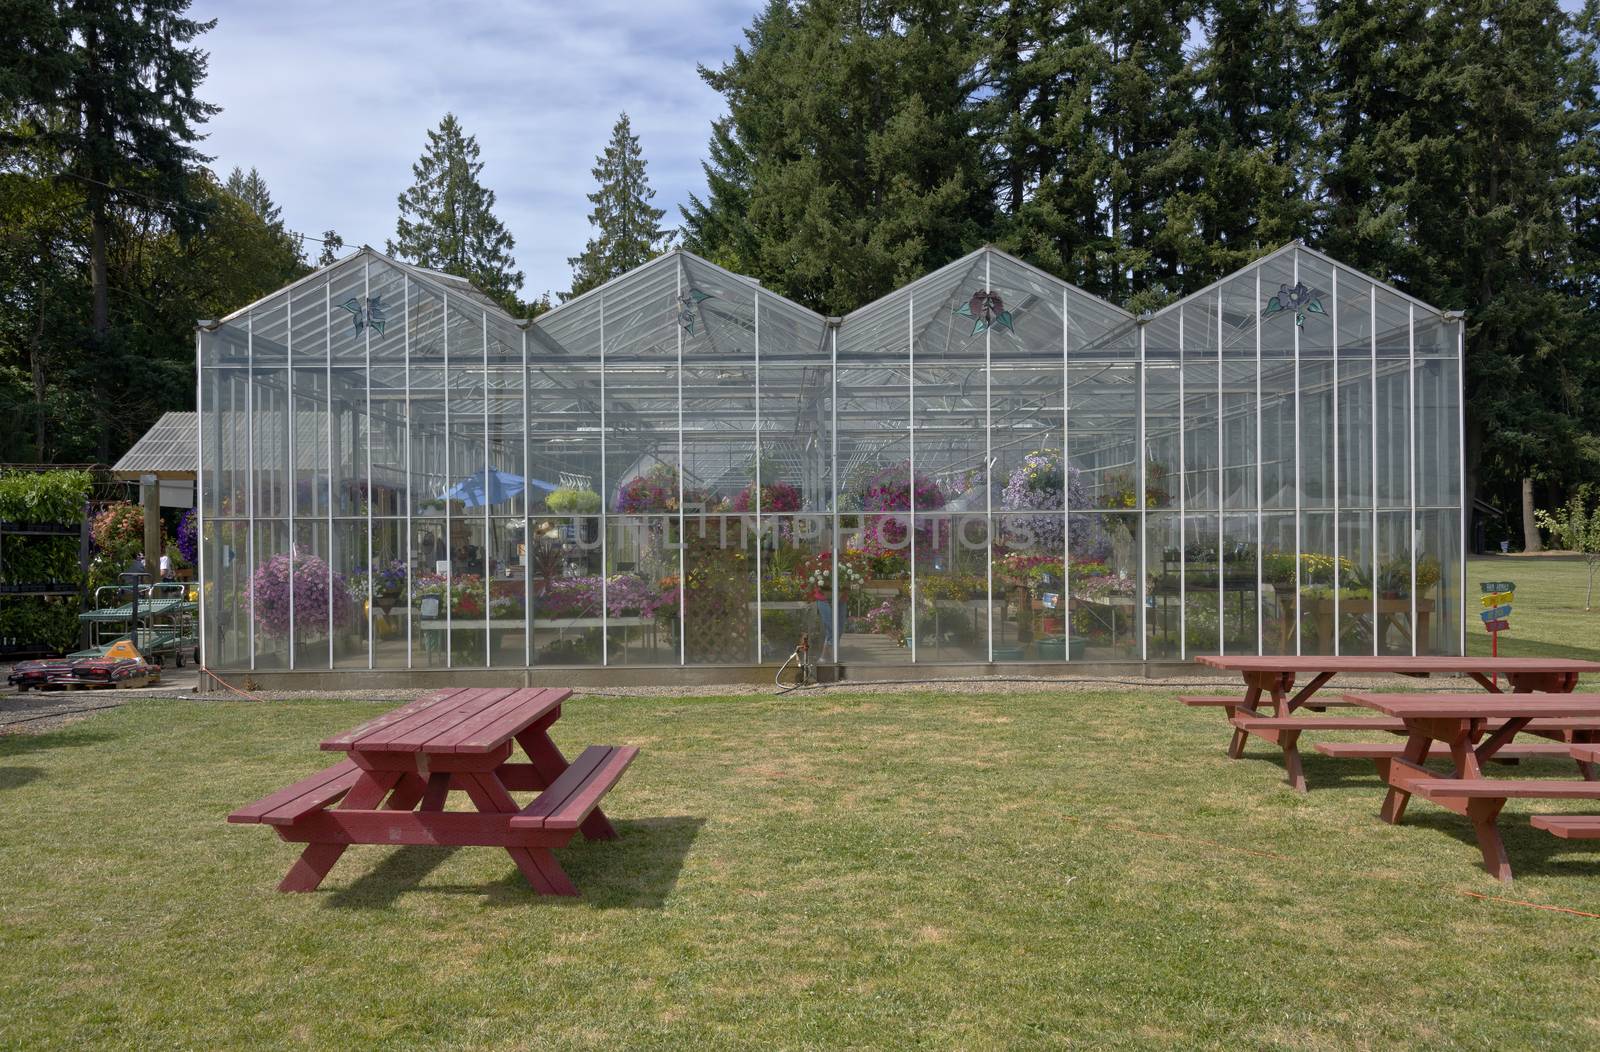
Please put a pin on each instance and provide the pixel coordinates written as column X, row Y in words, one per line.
column 44, row 496
column 51, row 623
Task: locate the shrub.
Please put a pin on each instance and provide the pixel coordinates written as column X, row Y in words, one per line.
column 569, row 500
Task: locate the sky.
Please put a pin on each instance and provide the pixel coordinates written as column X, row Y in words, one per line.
column 332, row 103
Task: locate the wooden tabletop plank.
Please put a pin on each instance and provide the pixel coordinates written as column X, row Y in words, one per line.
column 468, row 730
column 342, row 742
column 1588, row 753
column 410, row 733
column 509, row 721
column 1480, row 705
column 1398, row 664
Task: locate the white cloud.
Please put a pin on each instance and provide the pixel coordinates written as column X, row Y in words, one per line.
column 332, row 103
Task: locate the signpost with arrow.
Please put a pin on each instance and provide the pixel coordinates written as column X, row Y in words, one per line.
column 1496, row 599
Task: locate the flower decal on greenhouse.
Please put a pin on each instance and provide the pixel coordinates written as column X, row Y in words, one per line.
column 986, row 310
column 364, row 314
column 1300, row 299
column 686, row 306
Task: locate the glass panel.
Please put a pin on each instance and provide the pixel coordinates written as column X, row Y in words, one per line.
column 953, row 615
column 350, row 583
column 1394, row 582
column 1203, row 612
column 1279, row 607
column 1163, row 555
column 1242, row 590
column 1317, row 448
column 1355, row 583
column 1201, row 438
column 644, row 573
column 1439, row 583
column 1103, row 583
column 1318, row 579
column 797, row 586
column 1393, row 434
column 390, row 614
column 879, row 627
column 1438, row 446
column 1277, row 435
column 1239, row 420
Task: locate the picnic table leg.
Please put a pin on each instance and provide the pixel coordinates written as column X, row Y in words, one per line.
column 1394, row 802
column 1291, row 759
column 318, row 858
column 538, row 864
column 1484, row 813
column 1255, row 683
column 1585, row 767
column 548, row 763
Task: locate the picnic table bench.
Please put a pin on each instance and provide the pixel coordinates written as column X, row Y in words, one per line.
column 402, row 766
column 1270, row 678
column 1459, row 723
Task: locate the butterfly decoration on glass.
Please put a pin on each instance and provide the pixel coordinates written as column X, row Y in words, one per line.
column 1300, row 299
column 987, row 311
column 364, row 314
column 685, row 308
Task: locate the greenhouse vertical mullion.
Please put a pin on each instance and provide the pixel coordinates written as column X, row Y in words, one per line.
column 250, row 473
column 327, row 413
column 1372, row 341
column 405, row 328
column 1411, row 430
column 488, row 526
column 1222, row 521
column 449, row 560
column 911, row 460
column 988, row 466
column 199, row 494
column 1338, row 567
column 755, row 298
column 1299, row 477
column 1260, row 457
column 288, row 358
column 527, row 532
column 1141, row 620
column 1183, row 501
column 683, row 538
column 1461, row 495
column 833, row 482
column 1066, row 488
column 605, row 524
column 366, row 289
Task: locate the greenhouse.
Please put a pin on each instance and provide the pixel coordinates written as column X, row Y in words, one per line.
column 987, row 467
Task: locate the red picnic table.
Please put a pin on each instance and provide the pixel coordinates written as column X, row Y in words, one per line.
column 403, row 765
column 1462, row 723
column 1274, row 675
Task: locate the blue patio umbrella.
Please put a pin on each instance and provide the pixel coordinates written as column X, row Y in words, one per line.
column 490, row 487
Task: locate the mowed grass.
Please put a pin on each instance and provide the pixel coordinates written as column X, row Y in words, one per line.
column 813, row 871
column 1547, row 615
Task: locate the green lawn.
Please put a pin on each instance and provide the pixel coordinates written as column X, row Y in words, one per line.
column 1547, row 617
column 814, row 871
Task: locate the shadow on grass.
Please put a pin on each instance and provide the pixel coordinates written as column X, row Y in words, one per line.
column 14, row 744
column 16, row 777
column 636, row 871
column 1533, row 852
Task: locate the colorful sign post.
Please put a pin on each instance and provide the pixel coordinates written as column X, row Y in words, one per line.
column 1496, row 600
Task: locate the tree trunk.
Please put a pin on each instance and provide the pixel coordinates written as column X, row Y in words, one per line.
column 1530, row 529
column 100, row 283
column 36, row 367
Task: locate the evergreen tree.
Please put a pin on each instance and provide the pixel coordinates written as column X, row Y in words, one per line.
column 447, row 219
column 627, row 227
column 856, row 120
column 109, row 90
column 1257, row 84
column 718, row 227
column 332, row 245
column 252, row 190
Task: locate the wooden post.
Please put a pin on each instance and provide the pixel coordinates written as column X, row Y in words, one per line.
column 151, row 485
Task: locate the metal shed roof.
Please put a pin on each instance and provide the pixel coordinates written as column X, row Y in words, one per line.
column 168, row 450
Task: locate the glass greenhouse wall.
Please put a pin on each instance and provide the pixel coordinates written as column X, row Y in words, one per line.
column 681, row 468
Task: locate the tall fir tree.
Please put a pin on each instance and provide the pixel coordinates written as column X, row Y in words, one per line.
column 856, row 121
column 1257, row 85
column 109, row 89
column 447, row 219
column 627, row 227
column 251, row 188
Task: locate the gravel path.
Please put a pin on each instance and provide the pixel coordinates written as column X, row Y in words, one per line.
column 39, row 711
